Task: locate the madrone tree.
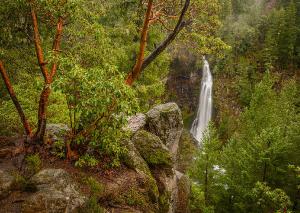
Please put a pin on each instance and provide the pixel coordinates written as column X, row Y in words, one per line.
column 199, row 18
column 55, row 16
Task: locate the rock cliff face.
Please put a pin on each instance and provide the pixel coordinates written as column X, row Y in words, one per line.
column 183, row 85
column 157, row 141
column 149, row 183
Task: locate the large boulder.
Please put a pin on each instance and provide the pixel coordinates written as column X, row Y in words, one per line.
column 57, row 192
column 166, row 122
column 6, row 182
column 152, row 149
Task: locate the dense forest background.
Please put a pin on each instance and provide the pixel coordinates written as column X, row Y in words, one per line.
column 249, row 161
column 250, row 158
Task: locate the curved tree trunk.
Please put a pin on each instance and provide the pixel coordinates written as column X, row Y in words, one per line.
column 16, row 102
column 134, row 74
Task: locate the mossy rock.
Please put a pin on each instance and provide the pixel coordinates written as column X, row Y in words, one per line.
column 165, row 121
column 152, row 149
column 134, row 160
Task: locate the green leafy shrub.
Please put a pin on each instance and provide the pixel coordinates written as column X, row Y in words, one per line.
column 33, row 163
column 59, row 148
column 100, row 102
column 270, row 200
column 28, row 95
column 86, row 160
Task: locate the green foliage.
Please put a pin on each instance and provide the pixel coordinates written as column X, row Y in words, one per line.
column 270, row 200
column 207, row 173
column 28, row 95
column 164, row 202
column 198, row 200
column 134, row 197
column 59, row 148
column 281, row 35
column 201, row 36
column 86, row 160
column 95, row 187
column 254, row 171
column 33, row 163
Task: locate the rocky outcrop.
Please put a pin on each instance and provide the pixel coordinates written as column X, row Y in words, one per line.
column 57, row 192
column 134, row 160
column 182, row 192
column 166, row 122
column 155, row 139
column 149, row 183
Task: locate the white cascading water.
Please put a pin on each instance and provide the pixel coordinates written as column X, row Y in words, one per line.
column 201, row 122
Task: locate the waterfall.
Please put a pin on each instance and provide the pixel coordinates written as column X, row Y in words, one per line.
column 205, row 104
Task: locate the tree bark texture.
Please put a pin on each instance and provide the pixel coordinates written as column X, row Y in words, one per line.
column 134, row 74
column 16, row 102
column 48, row 77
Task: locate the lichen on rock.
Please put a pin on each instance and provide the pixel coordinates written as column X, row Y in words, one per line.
column 56, row 192
column 166, row 122
column 152, row 149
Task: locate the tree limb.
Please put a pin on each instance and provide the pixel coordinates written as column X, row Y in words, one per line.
column 179, row 26
column 16, row 102
column 56, row 44
column 134, row 74
column 38, row 47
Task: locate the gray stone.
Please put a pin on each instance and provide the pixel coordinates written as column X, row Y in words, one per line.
column 136, row 122
column 57, row 193
column 57, row 132
column 166, row 181
column 166, row 122
column 6, row 182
